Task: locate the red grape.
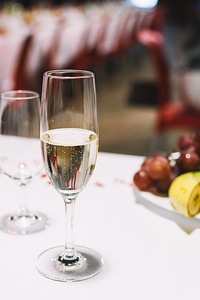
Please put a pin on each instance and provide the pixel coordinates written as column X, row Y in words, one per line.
column 142, row 180
column 162, row 185
column 159, row 168
column 188, row 161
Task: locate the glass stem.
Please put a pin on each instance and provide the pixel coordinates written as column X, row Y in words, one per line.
column 23, row 206
column 70, row 252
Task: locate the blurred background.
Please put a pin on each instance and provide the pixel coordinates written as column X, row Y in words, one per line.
column 145, row 55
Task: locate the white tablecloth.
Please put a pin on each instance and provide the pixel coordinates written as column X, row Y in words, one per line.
column 146, row 256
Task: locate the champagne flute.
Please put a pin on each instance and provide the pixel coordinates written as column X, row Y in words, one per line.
column 69, row 137
column 20, row 154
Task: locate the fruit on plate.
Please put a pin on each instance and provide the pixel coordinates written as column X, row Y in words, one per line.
column 184, row 193
column 155, row 174
column 158, row 171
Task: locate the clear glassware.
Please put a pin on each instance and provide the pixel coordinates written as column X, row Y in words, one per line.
column 69, row 135
column 20, row 154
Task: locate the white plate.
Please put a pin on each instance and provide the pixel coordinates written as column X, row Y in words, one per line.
column 162, row 207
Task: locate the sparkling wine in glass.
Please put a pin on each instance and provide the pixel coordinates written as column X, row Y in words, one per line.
column 20, row 155
column 69, row 139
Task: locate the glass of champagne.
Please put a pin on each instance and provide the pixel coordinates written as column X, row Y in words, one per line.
column 69, row 138
column 20, row 154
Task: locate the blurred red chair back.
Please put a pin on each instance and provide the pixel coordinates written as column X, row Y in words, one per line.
column 13, row 48
column 170, row 114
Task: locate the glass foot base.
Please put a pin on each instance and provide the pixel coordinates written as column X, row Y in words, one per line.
column 89, row 263
column 25, row 223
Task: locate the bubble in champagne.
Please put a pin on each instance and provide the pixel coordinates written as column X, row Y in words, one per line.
column 92, row 137
column 46, row 137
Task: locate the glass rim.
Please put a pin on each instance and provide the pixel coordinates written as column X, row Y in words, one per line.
column 18, row 95
column 68, row 74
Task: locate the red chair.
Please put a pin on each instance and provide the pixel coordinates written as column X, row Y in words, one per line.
column 21, row 81
column 170, row 114
column 13, row 49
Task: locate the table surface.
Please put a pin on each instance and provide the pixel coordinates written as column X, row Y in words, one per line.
column 146, row 256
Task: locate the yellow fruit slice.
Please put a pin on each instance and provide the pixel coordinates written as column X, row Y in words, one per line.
column 184, row 193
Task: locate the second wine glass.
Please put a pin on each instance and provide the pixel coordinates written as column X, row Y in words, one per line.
column 20, row 154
